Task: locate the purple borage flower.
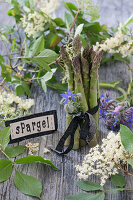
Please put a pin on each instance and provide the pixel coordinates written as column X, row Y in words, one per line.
column 69, row 96
column 115, row 114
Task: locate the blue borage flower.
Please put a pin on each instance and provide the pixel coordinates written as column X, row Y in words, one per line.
column 69, row 96
column 102, row 111
column 130, row 120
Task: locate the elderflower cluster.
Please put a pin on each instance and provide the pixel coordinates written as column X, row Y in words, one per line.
column 47, row 6
column 34, row 22
column 32, row 147
column 46, row 150
column 12, row 105
column 104, row 160
column 89, row 8
column 120, row 43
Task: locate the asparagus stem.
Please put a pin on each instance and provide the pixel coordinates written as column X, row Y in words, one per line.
column 70, row 80
column 69, row 69
column 96, row 59
column 68, row 120
column 82, row 77
column 79, row 88
column 76, row 139
column 85, row 77
column 76, row 45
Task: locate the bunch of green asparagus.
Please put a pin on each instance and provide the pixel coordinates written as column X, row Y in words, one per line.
column 81, row 69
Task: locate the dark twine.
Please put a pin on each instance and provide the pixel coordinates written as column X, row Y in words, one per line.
column 87, row 130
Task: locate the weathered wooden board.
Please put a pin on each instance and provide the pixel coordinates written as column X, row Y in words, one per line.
column 58, row 185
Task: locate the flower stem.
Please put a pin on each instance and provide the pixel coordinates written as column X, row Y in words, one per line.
column 109, row 85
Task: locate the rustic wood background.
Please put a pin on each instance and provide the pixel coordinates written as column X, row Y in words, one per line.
column 58, row 185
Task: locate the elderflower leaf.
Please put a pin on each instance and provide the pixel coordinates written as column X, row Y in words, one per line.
column 79, row 30
column 19, row 90
column 13, row 152
column 70, row 6
column 37, row 46
column 46, row 78
column 55, row 41
column 32, row 159
column 4, row 137
column 126, row 138
column 118, row 180
column 129, row 21
column 68, row 21
column 48, row 55
column 113, row 191
column 130, row 162
column 5, row 169
column 28, row 184
column 89, row 186
column 87, row 196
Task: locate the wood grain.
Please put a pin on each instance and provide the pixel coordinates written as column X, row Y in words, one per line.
column 57, row 185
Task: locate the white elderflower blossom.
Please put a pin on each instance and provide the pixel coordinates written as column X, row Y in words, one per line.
column 32, row 147
column 120, row 43
column 47, row 6
column 12, row 106
column 33, row 22
column 26, row 104
column 46, row 150
column 89, row 8
column 104, row 160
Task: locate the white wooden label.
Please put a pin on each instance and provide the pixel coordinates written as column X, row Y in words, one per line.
column 32, row 126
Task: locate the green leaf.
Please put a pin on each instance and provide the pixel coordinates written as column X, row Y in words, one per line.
column 126, row 138
column 26, row 53
column 87, row 196
column 4, row 137
column 44, row 86
column 40, row 62
column 118, row 180
column 113, row 191
column 13, row 152
column 60, row 22
column 55, row 41
column 84, row 42
column 118, row 56
column 70, row 6
column 48, row 55
column 37, row 46
column 79, row 30
column 1, row 59
column 21, row 87
column 130, row 162
column 4, row 37
column 45, row 78
column 6, row 71
column 32, row 159
column 28, row 184
column 57, row 86
column 68, row 20
column 26, row 88
column 129, row 21
column 5, row 169
column 89, row 186
column 19, row 90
